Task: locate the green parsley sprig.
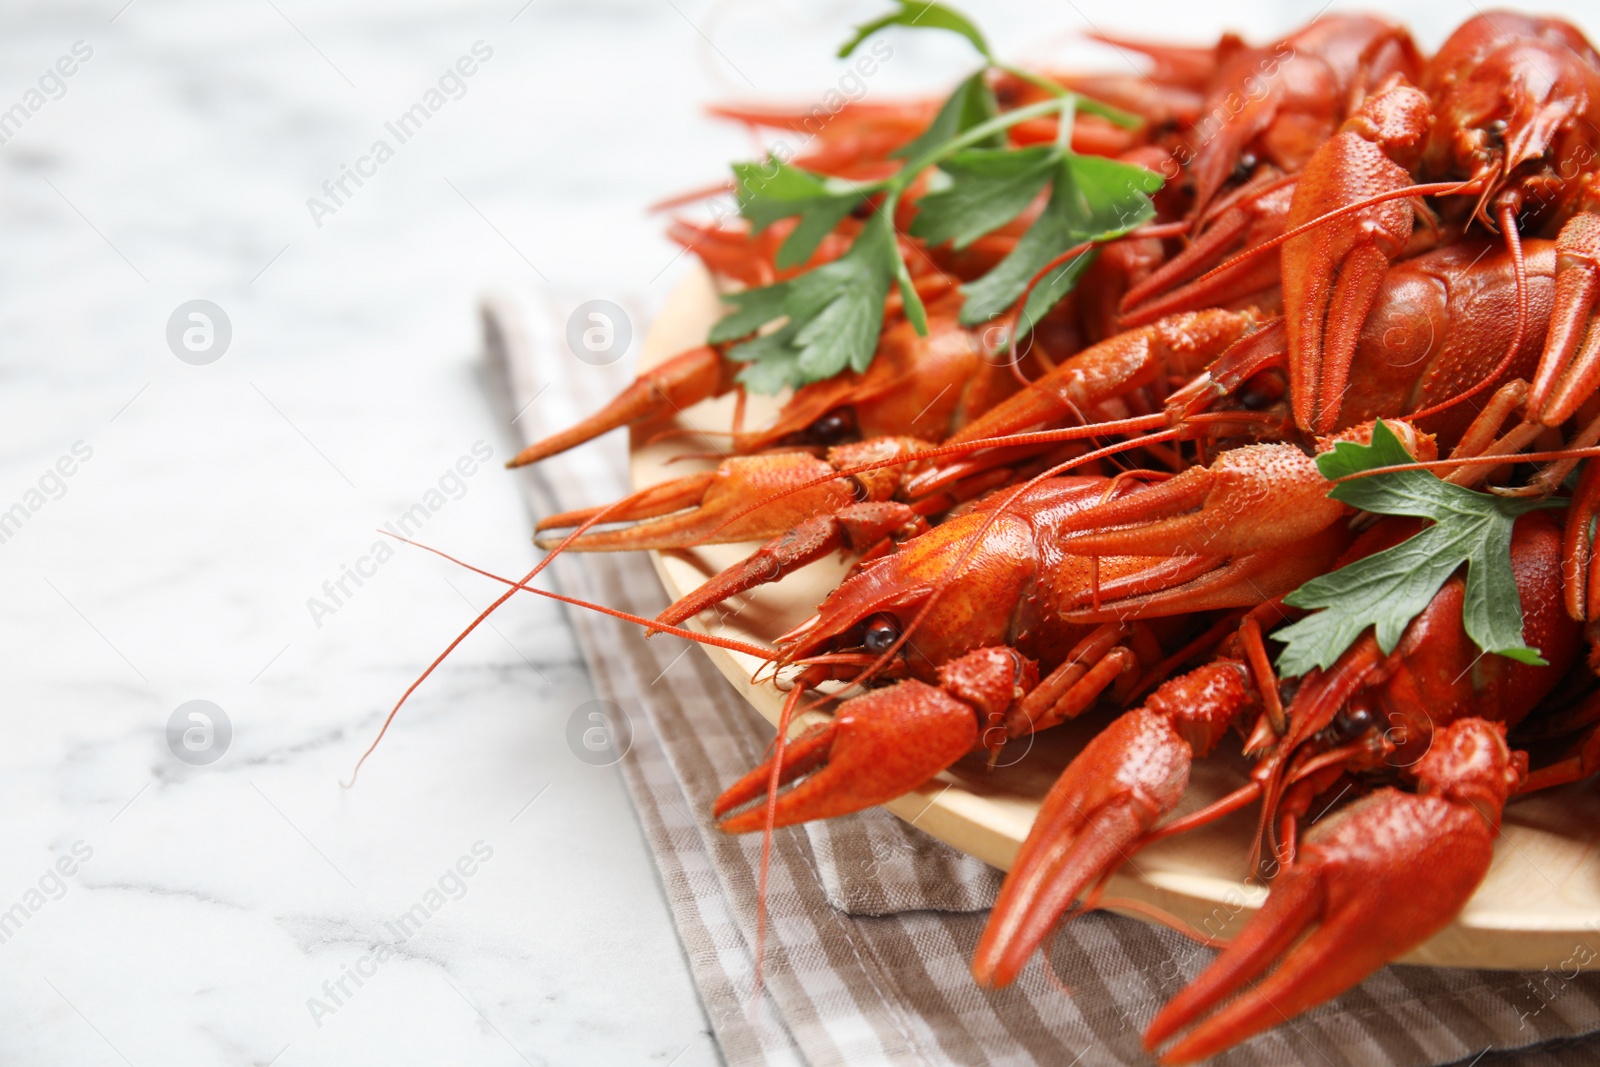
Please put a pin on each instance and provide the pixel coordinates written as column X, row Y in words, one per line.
column 1388, row 589
column 828, row 319
column 1092, row 199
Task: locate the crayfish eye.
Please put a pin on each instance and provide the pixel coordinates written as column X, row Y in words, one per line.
column 833, row 428
column 1261, row 391
column 1353, row 721
column 881, row 633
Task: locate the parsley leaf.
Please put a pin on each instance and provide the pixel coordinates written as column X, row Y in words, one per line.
column 820, row 322
column 920, row 15
column 774, row 190
column 988, row 188
column 1091, row 198
column 971, row 104
column 1388, row 589
column 834, row 314
column 829, row 329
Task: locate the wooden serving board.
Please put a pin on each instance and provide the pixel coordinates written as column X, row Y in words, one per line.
column 1540, row 901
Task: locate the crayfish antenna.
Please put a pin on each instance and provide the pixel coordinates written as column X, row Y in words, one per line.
column 516, row 586
column 770, row 824
column 1432, row 189
column 1554, row 455
column 652, row 624
column 440, row 658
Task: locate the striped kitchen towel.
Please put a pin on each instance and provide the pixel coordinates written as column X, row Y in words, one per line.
column 871, row 923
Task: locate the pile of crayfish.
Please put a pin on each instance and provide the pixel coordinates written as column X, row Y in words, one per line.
column 1352, row 241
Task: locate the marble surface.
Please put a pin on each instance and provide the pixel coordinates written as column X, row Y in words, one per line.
column 157, row 911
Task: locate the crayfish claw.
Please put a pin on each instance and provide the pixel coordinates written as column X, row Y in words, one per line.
column 1331, row 276
column 1186, row 281
column 1182, row 343
column 802, row 756
column 855, row 528
column 878, row 746
column 1377, row 878
column 716, row 507
column 1251, row 498
column 1123, row 782
column 681, row 381
column 1055, row 873
column 652, row 502
column 1580, row 564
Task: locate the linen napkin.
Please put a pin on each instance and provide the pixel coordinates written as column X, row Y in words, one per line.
column 871, row 923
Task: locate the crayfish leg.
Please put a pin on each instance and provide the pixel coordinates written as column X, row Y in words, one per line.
column 1569, row 369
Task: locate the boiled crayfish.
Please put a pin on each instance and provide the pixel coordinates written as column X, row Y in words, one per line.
column 1356, row 247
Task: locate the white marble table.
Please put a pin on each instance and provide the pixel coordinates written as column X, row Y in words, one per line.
column 153, row 911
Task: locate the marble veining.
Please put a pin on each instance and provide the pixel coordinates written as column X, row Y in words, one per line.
column 214, row 913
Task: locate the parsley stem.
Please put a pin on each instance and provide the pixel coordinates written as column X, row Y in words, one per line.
column 981, row 132
column 1064, row 124
column 1127, row 120
column 901, row 179
column 1064, row 104
column 894, row 186
column 915, row 313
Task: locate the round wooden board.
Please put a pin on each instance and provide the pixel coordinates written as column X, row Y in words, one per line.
column 1540, row 900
